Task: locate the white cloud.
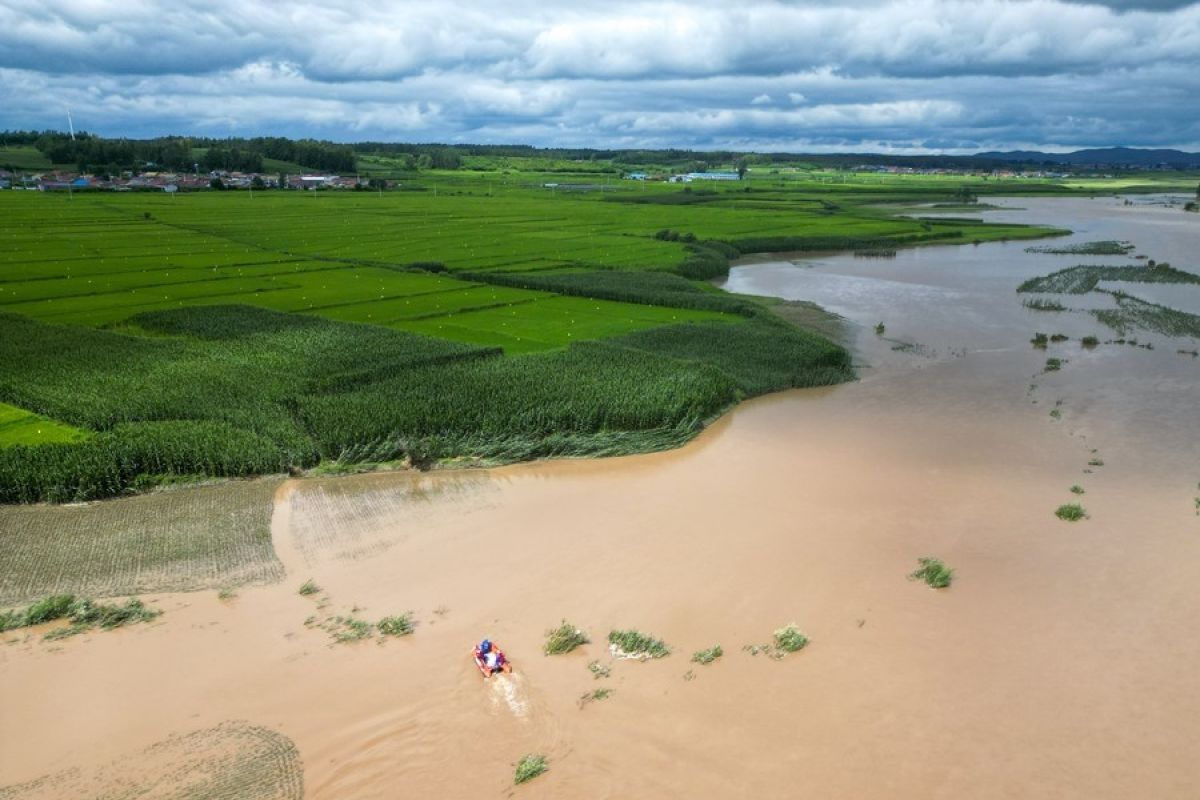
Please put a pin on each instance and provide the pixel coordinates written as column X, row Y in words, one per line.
column 652, row 73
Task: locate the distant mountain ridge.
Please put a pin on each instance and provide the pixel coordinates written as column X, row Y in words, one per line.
column 1103, row 156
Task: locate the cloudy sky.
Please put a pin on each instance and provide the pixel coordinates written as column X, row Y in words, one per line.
column 889, row 75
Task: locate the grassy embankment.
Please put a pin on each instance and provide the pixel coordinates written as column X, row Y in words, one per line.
column 502, row 322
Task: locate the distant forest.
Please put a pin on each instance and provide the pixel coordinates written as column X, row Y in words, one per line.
column 92, row 153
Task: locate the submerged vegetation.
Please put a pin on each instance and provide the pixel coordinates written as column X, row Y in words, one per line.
column 708, row 655
column 1132, row 313
column 83, row 614
column 1041, row 304
column 398, row 625
column 563, row 639
column 1071, row 512
column 790, row 639
column 637, row 645
column 934, row 573
column 529, row 767
column 1102, row 248
column 1083, row 279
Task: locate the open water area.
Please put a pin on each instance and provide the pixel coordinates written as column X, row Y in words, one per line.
column 1061, row 663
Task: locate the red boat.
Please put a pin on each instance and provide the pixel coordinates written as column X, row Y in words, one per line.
column 490, row 659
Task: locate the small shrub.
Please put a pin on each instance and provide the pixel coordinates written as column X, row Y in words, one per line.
column 1096, row 462
column 880, row 329
column 1077, row 489
column 1053, row 364
column 563, row 639
column 529, row 767
column 1089, row 341
column 1059, row 337
column 790, row 639
column 935, row 574
column 226, row 594
column 1071, row 512
column 1040, row 340
column 708, row 656
column 400, row 625
column 634, row 644
column 309, row 587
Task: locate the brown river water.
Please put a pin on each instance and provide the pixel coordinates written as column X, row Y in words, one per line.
column 1062, row 663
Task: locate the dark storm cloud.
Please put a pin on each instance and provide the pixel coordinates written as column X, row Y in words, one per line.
column 861, row 73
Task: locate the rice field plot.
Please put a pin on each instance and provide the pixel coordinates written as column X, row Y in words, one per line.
column 18, row 426
column 1132, row 313
column 576, row 401
column 1083, row 279
column 760, row 356
column 554, row 321
column 231, row 761
column 446, row 303
column 207, row 537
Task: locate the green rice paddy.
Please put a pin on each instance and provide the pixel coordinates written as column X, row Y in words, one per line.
column 458, row 315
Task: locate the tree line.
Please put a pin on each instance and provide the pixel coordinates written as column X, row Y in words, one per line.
column 92, row 153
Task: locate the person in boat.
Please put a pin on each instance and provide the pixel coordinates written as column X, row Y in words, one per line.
column 491, row 658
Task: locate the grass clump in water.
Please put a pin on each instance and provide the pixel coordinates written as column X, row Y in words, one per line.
column 1041, row 304
column 347, row 629
column 634, row 644
column 1089, row 341
column 83, row 614
column 309, row 587
column 563, row 639
column 593, row 696
column 399, row 625
column 790, row 639
column 1053, row 364
column 1040, row 340
column 45, row 610
column 708, row 655
column 1071, row 512
column 1077, row 489
column 933, row 572
column 1104, row 248
column 599, row 670
column 529, row 767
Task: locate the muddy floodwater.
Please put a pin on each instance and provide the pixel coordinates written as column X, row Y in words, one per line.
column 1062, row 662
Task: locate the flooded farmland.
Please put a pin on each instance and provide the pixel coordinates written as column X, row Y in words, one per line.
column 1060, row 663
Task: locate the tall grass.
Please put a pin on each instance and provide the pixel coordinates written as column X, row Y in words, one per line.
column 635, row 644
column 563, row 639
column 1071, row 512
column 529, row 767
